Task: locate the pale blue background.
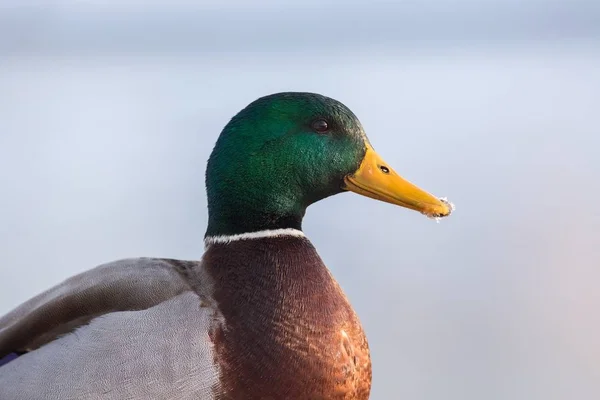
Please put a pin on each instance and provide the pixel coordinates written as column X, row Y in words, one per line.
column 108, row 111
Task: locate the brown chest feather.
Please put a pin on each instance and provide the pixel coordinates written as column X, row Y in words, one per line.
column 289, row 331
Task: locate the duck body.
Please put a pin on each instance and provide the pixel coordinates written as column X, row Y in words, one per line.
column 258, row 317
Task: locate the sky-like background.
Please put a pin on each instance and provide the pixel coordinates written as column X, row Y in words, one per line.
column 109, row 110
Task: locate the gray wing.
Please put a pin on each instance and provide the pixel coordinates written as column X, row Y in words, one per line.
column 132, row 329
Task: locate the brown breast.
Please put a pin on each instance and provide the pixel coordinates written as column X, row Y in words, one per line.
column 289, row 331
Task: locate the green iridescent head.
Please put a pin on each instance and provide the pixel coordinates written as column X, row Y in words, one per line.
column 284, row 152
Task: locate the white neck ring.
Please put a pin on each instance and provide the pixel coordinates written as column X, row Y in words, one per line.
column 224, row 239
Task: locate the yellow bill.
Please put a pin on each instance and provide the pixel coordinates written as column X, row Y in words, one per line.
column 375, row 179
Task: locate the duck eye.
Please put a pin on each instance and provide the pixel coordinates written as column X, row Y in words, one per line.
column 320, row 125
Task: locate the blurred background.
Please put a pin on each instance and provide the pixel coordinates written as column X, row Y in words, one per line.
column 109, row 110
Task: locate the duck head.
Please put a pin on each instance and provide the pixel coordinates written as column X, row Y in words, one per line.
column 284, row 152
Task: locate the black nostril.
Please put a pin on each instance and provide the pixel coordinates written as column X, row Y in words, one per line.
column 384, row 169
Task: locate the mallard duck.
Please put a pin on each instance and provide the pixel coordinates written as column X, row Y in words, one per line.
column 258, row 317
